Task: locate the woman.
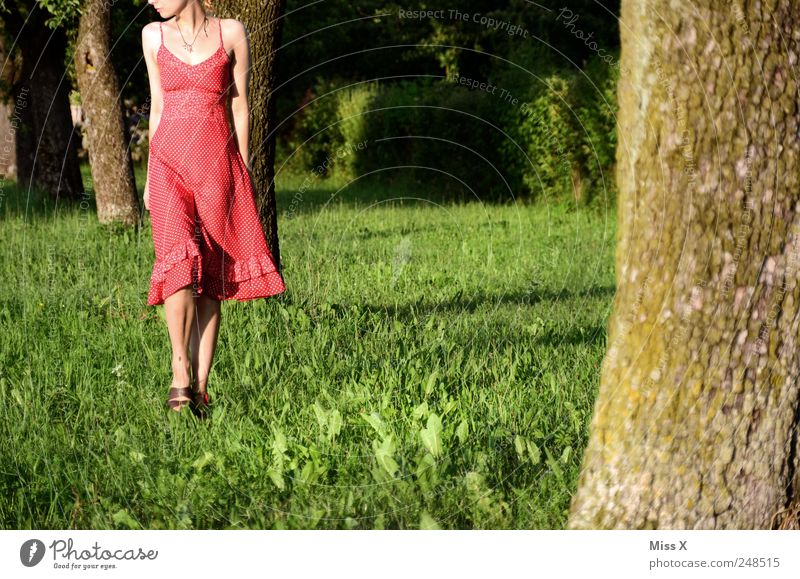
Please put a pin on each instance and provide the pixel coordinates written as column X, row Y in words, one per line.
column 208, row 239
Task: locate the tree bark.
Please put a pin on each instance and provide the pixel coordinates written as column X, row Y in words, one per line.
column 46, row 140
column 109, row 153
column 696, row 422
column 264, row 24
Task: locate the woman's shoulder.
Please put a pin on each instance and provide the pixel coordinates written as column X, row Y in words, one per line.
column 151, row 28
column 232, row 28
column 151, row 35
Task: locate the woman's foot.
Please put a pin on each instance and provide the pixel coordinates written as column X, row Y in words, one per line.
column 180, row 392
column 199, row 404
column 179, row 397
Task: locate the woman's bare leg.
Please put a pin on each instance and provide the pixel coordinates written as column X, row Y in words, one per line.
column 205, row 330
column 180, row 313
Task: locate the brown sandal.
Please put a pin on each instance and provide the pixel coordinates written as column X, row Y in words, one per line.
column 199, row 404
column 179, row 397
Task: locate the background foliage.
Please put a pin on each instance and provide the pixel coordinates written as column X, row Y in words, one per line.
column 392, row 76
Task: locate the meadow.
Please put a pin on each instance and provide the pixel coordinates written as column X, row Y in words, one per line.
column 433, row 364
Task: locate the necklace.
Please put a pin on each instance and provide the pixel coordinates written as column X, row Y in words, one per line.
column 189, row 46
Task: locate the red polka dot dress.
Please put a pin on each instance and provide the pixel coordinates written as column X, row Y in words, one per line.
column 206, row 229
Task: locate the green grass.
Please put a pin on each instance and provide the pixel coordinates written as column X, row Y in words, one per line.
column 431, row 364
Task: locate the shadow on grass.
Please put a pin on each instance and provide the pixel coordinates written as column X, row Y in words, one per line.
column 419, row 312
column 294, row 199
column 574, row 335
column 33, row 204
column 470, row 304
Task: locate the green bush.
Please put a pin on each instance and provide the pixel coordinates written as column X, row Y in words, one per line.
column 596, row 107
column 353, row 105
column 421, row 130
column 556, row 141
column 330, row 129
column 316, row 133
column 565, row 126
column 440, row 133
column 547, row 129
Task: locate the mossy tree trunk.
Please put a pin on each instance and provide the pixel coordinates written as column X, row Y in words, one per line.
column 696, row 423
column 263, row 20
column 109, row 153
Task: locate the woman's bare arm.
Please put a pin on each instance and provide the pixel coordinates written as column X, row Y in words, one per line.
column 239, row 109
column 151, row 41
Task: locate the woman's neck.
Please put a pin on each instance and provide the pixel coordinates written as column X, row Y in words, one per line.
column 190, row 17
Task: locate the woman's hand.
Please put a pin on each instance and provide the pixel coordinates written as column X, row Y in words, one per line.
column 146, row 196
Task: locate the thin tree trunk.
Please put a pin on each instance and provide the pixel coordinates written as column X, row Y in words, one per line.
column 109, row 154
column 696, row 423
column 46, row 140
column 264, row 25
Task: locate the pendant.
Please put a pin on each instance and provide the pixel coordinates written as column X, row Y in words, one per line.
column 188, row 46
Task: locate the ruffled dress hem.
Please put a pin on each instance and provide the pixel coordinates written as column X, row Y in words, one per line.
column 241, row 280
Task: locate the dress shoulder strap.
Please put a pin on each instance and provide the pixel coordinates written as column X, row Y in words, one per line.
column 161, row 28
column 219, row 25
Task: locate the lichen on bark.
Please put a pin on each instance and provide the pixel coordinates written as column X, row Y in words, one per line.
column 695, row 425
